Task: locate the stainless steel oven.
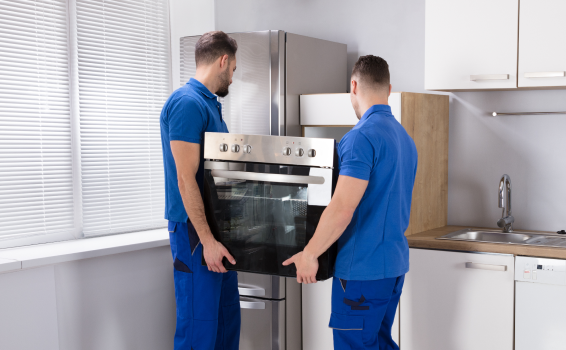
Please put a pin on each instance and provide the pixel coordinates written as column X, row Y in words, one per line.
column 264, row 196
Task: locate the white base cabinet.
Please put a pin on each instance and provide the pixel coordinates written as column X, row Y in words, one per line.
column 458, row 301
column 316, row 315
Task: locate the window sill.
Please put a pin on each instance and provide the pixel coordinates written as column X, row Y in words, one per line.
column 14, row 259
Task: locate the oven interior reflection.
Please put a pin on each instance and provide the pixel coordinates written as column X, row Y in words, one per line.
column 262, row 223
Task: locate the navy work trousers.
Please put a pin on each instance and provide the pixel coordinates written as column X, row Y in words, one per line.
column 363, row 313
column 208, row 303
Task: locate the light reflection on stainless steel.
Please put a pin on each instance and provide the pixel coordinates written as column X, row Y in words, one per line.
column 522, row 238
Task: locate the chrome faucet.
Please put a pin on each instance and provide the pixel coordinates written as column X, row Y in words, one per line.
column 506, row 221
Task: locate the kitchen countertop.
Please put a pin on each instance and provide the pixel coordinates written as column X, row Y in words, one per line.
column 427, row 240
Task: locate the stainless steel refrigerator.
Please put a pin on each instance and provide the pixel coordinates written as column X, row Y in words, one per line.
column 273, row 68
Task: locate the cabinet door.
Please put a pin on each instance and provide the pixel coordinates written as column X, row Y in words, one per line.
column 337, row 110
column 317, row 307
column 471, row 44
column 458, row 301
column 542, row 53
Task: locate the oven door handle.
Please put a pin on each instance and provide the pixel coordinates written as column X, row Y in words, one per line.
column 243, row 175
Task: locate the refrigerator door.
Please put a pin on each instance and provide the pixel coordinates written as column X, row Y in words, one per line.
column 247, row 109
column 313, row 66
column 263, row 286
column 263, row 324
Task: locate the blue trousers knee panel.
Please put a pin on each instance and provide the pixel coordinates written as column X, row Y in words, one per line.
column 363, row 313
column 208, row 303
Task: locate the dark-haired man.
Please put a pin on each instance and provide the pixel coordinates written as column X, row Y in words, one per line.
column 368, row 215
column 208, row 308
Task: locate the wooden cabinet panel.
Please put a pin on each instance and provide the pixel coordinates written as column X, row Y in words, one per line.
column 425, row 117
column 471, row 44
column 542, row 53
column 446, row 305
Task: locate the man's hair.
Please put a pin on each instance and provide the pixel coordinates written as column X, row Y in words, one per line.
column 372, row 71
column 212, row 45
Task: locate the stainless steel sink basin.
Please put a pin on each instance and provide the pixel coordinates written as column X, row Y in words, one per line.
column 524, row 238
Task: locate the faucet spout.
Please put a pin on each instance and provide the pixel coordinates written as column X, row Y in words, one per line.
column 504, row 202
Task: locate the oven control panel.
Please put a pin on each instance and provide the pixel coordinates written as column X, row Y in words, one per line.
column 269, row 149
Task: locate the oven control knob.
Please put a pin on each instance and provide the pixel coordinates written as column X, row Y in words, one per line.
column 312, row 153
column 286, row 151
column 299, row 152
column 235, row 148
column 247, row 149
column 223, row 147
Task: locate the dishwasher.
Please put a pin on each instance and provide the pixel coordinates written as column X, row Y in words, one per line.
column 540, row 303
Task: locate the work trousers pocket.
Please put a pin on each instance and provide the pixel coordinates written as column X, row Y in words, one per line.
column 347, row 331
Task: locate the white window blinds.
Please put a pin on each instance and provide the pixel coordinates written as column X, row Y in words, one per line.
column 36, row 174
column 124, row 75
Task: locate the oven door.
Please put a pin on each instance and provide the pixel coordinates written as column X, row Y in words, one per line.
column 265, row 213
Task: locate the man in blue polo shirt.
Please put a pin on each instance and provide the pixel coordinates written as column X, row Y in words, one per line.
column 208, row 307
column 368, row 215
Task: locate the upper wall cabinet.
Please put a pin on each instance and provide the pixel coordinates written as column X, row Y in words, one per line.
column 542, row 53
column 472, row 44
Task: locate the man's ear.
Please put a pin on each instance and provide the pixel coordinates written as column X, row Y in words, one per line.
column 354, row 87
column 223, row 61
column 390, row 87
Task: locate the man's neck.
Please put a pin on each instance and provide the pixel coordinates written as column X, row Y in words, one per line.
column 204, row 76
column 374, row 100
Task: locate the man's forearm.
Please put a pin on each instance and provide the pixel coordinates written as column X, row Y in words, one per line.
column 192, row 200
column 333, row 222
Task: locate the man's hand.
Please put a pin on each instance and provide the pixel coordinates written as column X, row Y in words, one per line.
column 307, row 266
column 213, row 252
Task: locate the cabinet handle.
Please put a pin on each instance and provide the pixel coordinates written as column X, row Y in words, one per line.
column 489, row 77
column 256, row 305
column 471, row 265
column 545, row 74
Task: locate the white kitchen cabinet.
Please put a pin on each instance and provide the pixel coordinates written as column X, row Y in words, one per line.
column 458, row 301
column 316, row 315
column 542, row 53
column 336, row 109
column 471, row 44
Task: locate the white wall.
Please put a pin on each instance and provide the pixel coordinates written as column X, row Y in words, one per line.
column 28, row 310
column 187, row 17
column 530, row 149
column 392, row 29
column 115, row 302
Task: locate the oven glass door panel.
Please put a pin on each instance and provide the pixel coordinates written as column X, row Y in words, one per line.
column 264, row 214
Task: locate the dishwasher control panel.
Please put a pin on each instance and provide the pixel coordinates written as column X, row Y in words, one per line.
column 540, row 270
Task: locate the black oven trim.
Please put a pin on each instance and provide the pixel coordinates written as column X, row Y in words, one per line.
column 314, row 212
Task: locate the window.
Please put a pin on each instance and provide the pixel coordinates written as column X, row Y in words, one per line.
column 82, row 84
column 123, row 82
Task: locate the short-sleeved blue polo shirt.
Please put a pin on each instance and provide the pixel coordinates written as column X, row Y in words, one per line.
column 189, row 112
column 379, row 150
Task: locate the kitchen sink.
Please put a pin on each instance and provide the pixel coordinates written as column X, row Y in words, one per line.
column 524, row 238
